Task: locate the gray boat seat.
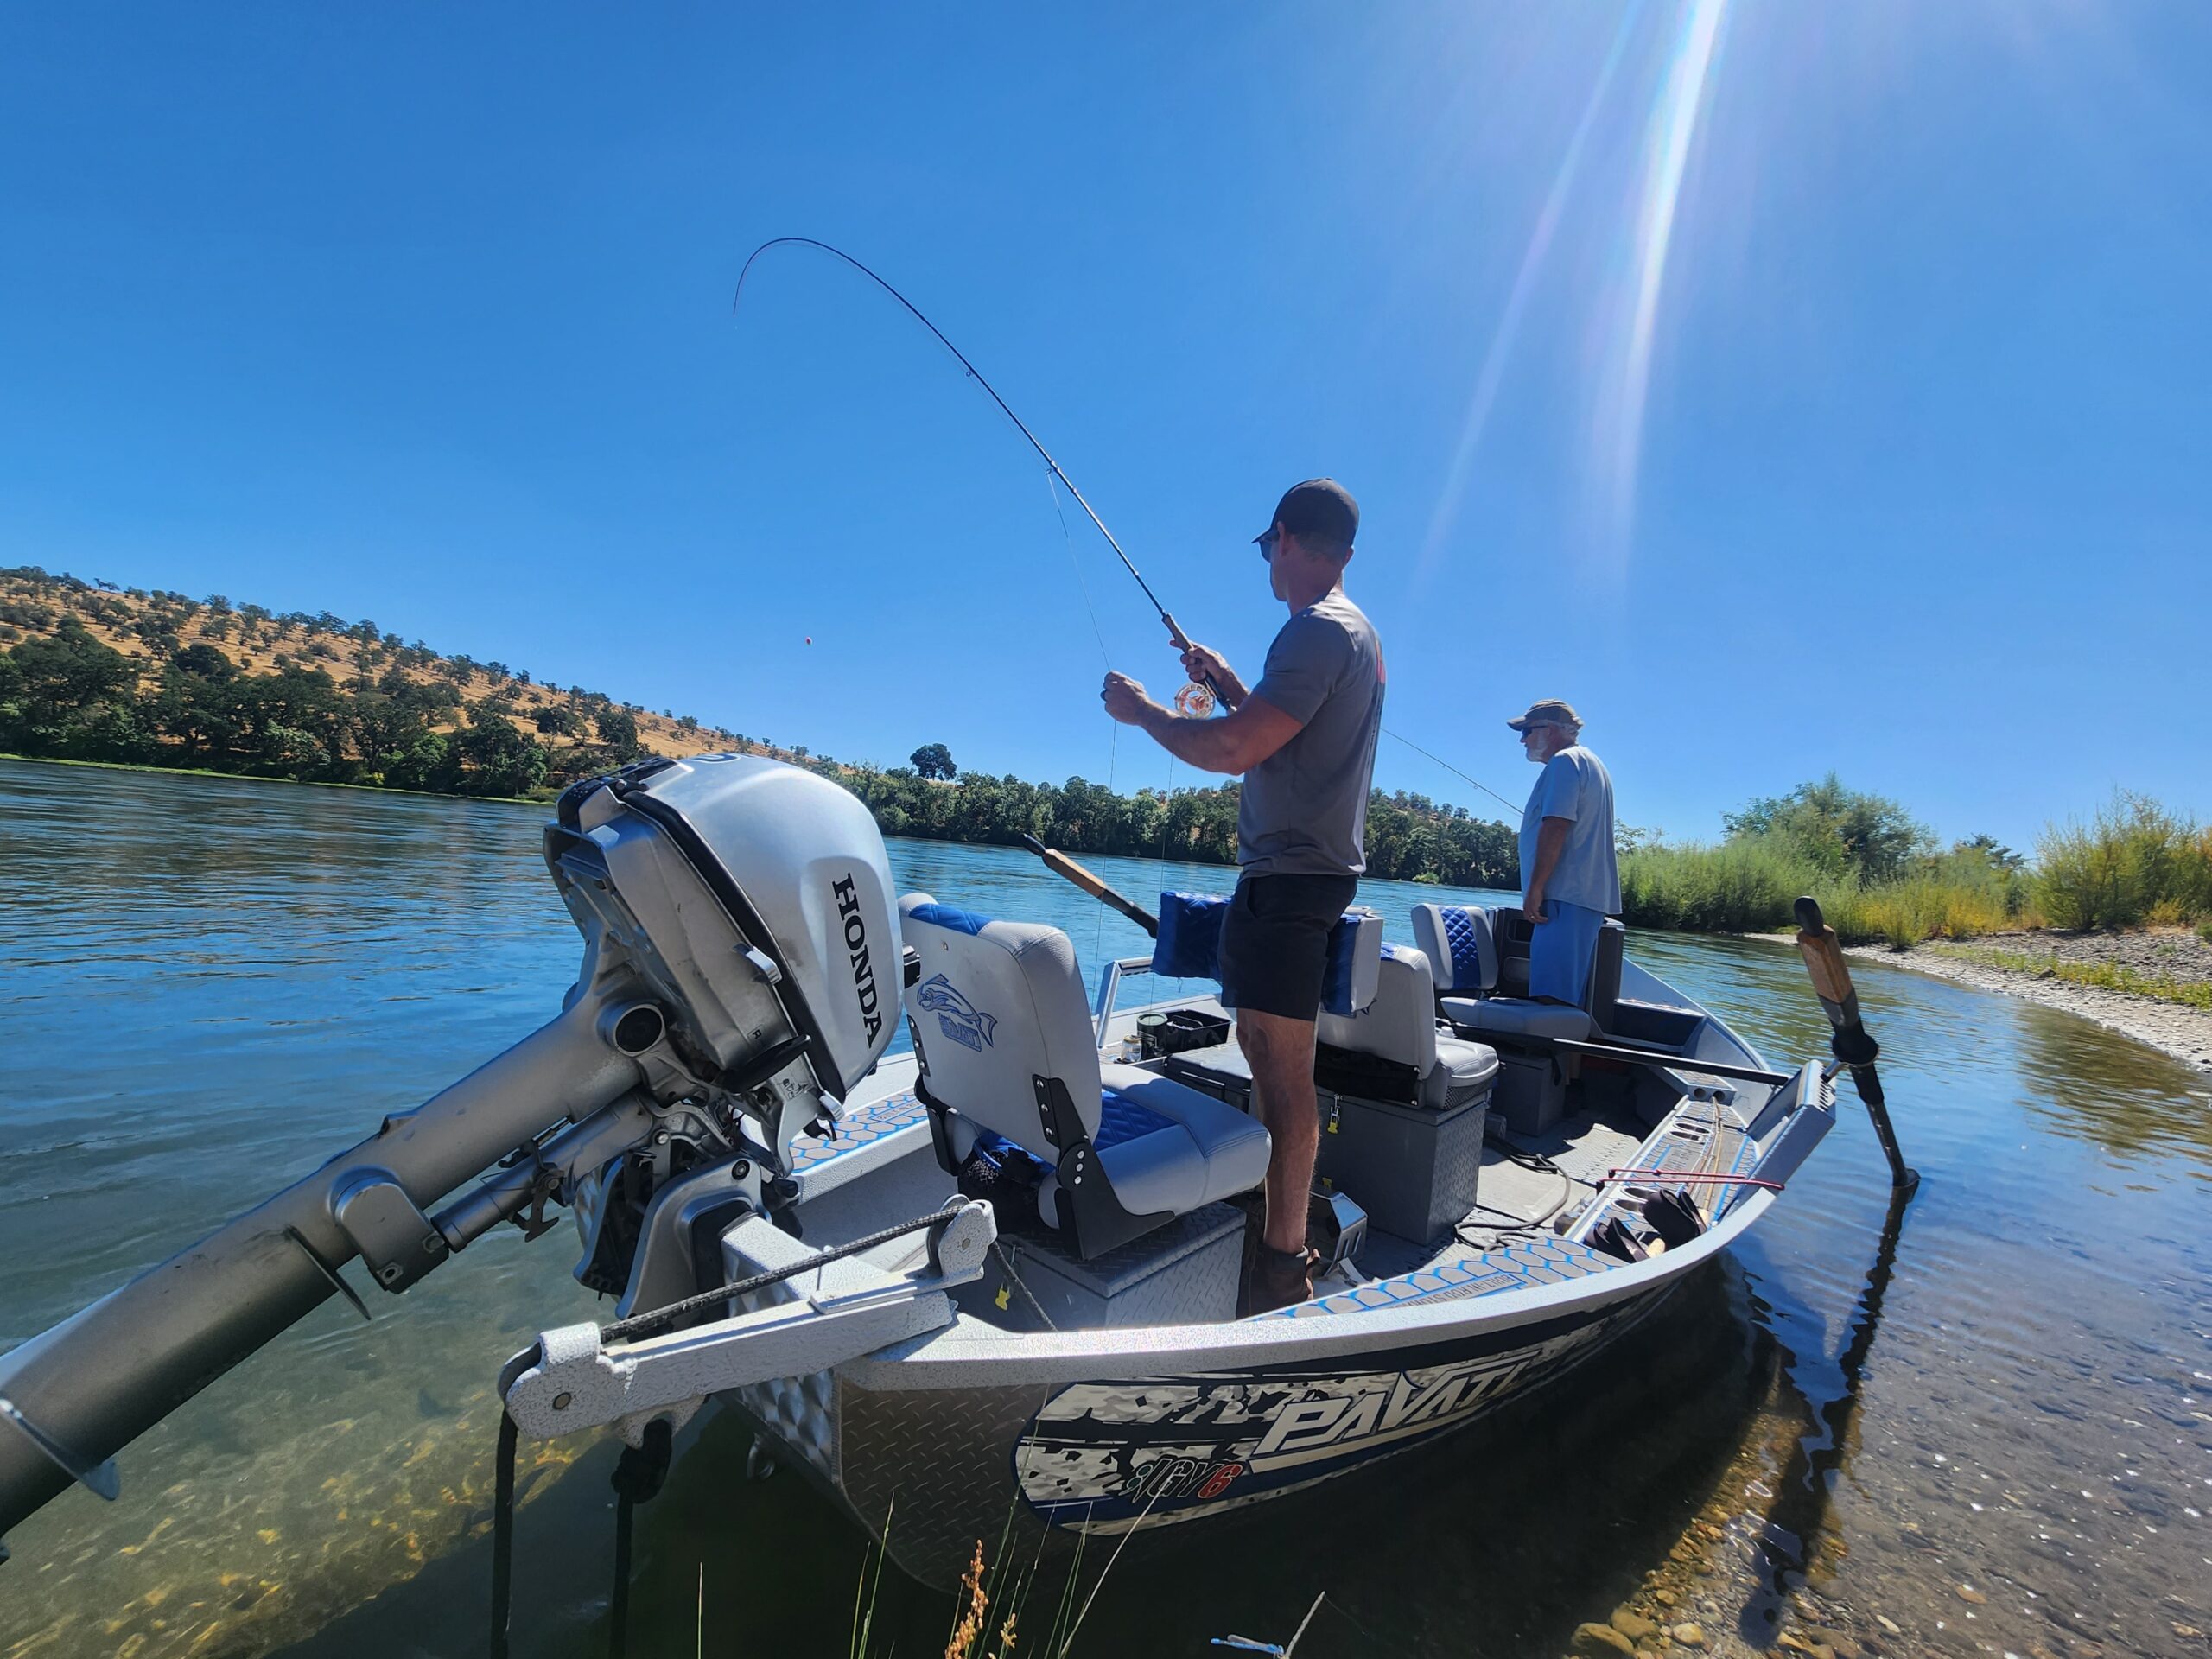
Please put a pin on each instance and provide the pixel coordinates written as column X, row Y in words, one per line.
column 1401, row 1025
column 1471, row 943
column 1003, row 1033
column 1515, row 1016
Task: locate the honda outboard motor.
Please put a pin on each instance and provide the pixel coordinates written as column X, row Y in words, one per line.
column 740, row 969
column 755, row 901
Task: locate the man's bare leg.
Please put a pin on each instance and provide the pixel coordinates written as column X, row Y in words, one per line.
column 1280, row 1051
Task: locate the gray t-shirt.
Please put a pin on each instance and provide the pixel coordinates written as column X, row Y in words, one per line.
column 1303, row 811
column 1575, row 785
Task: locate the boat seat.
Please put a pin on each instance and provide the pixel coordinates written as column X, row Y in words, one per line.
column 1401, row 1025
column 1188, row 946
column 1515, row 1016
column 1003, row 1033
column 1481, row 954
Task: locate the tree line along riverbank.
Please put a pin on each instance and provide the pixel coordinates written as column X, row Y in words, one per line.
column 92, row 672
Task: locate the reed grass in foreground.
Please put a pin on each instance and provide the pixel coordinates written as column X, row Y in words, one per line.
column 2103, row 976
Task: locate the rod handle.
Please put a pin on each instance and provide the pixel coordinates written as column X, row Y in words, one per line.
column 1182, row 641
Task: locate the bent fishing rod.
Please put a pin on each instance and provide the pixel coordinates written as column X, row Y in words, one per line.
column 1174, row 629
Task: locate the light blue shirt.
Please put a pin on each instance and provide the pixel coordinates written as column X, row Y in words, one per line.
column 1575, row 785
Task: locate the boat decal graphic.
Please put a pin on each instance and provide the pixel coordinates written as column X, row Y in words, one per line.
column 1168, row 1447
column 957, row 1017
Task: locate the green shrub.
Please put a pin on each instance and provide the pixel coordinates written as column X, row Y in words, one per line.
column 1740, row 886
column 2115, row 870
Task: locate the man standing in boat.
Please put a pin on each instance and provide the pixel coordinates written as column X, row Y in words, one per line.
column 1303, row 740
column 1570, row 878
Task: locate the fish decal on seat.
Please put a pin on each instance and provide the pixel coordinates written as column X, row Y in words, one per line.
column 957, row 1017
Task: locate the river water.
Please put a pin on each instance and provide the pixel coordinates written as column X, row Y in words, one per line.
column 211, row 985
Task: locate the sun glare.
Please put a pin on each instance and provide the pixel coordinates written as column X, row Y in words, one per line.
column 1624, row 397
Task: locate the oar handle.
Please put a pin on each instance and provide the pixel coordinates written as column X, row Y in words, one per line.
column 1824, row 961
column 1851, row 1043
column 1061, row 865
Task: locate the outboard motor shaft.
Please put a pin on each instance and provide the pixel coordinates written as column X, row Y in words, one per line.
column 732, row 909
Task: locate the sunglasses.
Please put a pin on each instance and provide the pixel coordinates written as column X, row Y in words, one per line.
column 1267, row 544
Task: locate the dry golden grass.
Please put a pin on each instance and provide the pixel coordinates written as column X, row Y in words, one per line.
column 340, row 657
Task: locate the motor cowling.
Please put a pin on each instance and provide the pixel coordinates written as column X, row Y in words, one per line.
column 755, row 898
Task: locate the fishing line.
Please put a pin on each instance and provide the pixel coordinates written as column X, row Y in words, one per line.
column 1112, row 726
column 1057, row 471
column 1453, row 769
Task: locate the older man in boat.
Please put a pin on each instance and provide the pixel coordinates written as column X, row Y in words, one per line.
column 1303, row 740
column 1570, row 878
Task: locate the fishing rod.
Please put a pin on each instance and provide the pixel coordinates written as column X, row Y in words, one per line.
column 1174, row 629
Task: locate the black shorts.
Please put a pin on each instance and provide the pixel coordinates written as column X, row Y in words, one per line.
column 1274, row 942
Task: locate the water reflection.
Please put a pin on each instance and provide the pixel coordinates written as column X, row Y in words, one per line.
column 214, row 984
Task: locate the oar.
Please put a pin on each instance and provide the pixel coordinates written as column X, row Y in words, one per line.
column 1850, row 1042
column 1061, row 864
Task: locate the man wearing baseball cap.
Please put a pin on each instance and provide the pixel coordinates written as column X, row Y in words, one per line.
column 1570, row 881
column 1303, row 740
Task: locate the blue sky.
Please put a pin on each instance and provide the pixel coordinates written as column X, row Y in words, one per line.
column 1791, row 387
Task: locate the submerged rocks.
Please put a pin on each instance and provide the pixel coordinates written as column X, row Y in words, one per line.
column 1632, row 1625
column 1602, row 1641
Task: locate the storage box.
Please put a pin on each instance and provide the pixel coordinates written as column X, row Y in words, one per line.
column 1184, row 1272
column 1178, row 1029
column 1414, row 1171
column 1530, row 1095
column 1220, row 1070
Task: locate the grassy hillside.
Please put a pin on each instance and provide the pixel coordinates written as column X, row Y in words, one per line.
column 88, row 672
column 149, row 629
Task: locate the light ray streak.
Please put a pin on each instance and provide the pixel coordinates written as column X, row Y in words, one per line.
column 1508, row 322
column 1667, row 145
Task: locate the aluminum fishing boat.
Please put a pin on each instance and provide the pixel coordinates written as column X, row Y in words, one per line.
column 997, row 1273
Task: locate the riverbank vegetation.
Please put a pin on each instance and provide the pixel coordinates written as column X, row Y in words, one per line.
column 1881, row 875
column 91, row 672
column 2104, row 975
column 88, row 672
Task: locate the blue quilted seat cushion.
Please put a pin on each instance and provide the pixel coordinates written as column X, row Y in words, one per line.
column 1121, row 1118
column 1188, row 945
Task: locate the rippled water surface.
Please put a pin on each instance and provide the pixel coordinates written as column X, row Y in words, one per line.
column 211, row 985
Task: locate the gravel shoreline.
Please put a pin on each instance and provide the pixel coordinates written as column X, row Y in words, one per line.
column 2172, row 1027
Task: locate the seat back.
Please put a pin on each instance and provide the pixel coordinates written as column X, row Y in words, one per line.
column 998, row 1006
column 1460, row 944
column 1400, row 1024
column 1188, row 946
column 1602, row 999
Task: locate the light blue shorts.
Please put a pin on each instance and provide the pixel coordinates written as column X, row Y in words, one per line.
column 1562, row 951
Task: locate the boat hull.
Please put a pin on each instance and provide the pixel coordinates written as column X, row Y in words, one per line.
column 933, row 1472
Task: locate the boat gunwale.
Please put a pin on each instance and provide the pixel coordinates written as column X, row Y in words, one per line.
column 973, row 1353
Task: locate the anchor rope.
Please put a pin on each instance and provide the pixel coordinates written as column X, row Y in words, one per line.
column 637, row 1324
column 1028, row 1295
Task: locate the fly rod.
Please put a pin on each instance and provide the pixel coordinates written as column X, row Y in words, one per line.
column 1174, row 629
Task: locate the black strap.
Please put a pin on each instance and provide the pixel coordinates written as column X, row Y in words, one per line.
column 639, row 1473
column 503, row 1536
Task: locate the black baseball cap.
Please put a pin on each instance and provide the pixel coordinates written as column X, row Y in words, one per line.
column 1320, row 507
